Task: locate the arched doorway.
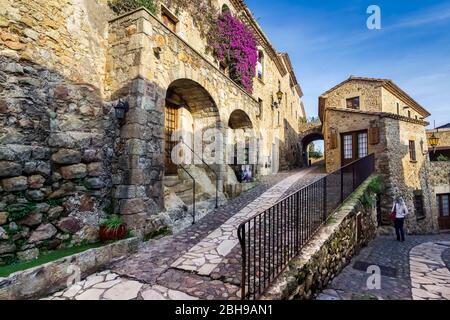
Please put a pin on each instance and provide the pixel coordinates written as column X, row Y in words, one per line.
column 312, row 148
column 189, row 109
column 245, row 146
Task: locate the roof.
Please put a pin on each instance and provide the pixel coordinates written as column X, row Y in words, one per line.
column 388, row 85
column 445, row 126
column 288, row 63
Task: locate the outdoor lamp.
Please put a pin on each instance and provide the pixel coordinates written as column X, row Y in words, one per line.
column 433, row 141
column 121, row 109
column 279, row 96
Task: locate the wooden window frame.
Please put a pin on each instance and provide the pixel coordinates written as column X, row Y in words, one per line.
column 171, row 17
column 352, row 100
column 355, row 145
column 412, row 151
column 441, row 205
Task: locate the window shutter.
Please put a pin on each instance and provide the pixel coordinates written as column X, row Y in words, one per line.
column 374, row 135
column 333, row 140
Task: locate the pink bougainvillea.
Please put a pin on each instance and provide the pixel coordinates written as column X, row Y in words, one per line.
column 235, row 45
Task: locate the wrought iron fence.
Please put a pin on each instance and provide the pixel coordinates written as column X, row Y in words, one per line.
column 272, row 238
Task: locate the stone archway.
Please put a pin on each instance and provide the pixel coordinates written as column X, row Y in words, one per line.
column 306, row 138
column 243, row 140
column 189, row 110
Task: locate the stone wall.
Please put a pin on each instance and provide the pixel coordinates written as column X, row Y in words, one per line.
column 369, row 93
column 55, row 133
column 439, row 182
column 65, row 160
column 351, row 227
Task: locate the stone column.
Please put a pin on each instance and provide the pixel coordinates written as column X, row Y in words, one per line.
column 138, row 184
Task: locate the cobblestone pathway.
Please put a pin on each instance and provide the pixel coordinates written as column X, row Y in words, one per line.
column 155, row 272
column 414, row 269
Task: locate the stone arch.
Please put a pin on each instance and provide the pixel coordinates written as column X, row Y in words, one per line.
column 189, row 110
column 244, row 142
column 306, row 138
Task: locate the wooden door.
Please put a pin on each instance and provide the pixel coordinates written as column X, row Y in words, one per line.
column 354, row 146
column 171, row 125
column 444, row 211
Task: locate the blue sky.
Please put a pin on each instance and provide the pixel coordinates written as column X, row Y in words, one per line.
column 328, row 41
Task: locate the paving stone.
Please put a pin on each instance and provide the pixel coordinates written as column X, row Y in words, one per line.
column 178, row 295
column 126, row 290
column 90, row 294
column 152, row 295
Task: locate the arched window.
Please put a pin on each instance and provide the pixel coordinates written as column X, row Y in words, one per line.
column 225, row 9
column 260, row 65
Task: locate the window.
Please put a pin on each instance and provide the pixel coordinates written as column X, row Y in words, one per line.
column 444, row 205
column 260, row 106
column 348, row 147
column 169, row 20
column 398, row 108
column 260, row 65
column 412, row 150
column 362, row 145
column 354, row 146
column 353, row 103
column 409, row 114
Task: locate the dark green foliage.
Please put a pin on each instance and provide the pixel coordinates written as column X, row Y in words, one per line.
column 112, row 223
column 20, row 211
column 124, row 6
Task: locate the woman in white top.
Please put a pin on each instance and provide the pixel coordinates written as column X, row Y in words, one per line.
column 401, row 211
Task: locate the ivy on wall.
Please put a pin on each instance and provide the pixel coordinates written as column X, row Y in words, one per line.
column 235, row 45
column 124, row 6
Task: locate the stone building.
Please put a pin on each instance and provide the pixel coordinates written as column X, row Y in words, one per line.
column 65, row 157
column 443, row 147
column 440, row 174
column 362, row 116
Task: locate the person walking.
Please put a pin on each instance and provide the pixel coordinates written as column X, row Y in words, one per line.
column 398, row 214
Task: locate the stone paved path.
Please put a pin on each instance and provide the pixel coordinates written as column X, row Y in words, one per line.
column 414, row 269
column 153, row 273
column 430, row 277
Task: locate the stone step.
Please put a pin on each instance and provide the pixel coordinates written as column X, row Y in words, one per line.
column 186, row 197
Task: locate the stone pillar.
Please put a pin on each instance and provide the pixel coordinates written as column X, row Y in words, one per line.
column 138, row 187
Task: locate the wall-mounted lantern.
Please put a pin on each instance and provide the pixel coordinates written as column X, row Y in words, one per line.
column 433, row 141
column 280, row 95
column 121, row 108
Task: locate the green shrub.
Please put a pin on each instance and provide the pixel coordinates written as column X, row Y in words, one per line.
column 124, row 6
column 441, row 157
column 20, row 211
column 376, row 186
column 367, row 200
column 112, row 223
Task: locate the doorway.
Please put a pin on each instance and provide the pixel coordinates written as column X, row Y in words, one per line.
column 354, row 146
column 444, row 211
column 170, row 126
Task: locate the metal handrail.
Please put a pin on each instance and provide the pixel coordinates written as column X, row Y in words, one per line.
column 193, row 193
column 270, row 239
column 215, row 174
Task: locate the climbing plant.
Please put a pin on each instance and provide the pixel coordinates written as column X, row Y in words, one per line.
column 202, row 12
column 123, row 6
column 235, row 45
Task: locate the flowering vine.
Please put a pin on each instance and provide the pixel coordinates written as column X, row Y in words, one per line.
column 235, row 45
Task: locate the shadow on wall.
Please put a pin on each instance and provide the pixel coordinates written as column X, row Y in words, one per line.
column 56, row 145
column 290, row 151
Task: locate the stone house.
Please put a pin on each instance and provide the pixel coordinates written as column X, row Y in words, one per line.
column 443, row 147
column 440, row 174
column 363, row 116
column 65, row 157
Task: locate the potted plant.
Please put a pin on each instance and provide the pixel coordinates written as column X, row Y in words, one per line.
column 112, row 229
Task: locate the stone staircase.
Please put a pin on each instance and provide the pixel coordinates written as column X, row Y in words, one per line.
column 183, row 189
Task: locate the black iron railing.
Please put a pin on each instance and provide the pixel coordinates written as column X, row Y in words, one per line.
column 271, row 239
column 209, row 167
